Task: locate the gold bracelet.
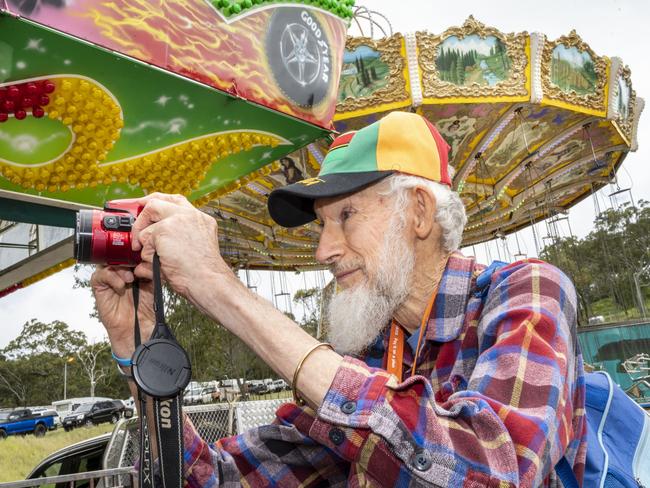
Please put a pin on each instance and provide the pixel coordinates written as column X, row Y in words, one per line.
column 294, row 388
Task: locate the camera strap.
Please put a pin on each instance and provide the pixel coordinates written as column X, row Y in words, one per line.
column 161, row 370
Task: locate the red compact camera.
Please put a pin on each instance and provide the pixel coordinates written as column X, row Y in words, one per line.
column 104, row 237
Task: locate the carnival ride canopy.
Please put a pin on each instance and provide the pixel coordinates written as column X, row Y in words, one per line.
column 101, row 100
column 534, row 125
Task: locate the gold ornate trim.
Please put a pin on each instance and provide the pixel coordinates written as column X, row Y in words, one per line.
column 594, row 101
column 435, row 87
column 390, row 49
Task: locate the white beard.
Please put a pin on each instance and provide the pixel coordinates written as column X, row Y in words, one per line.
column 356, row 316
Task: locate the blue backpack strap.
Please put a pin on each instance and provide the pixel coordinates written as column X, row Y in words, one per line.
column 565, row 473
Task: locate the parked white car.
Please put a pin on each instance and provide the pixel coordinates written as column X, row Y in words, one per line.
column 197, row 396
column 278, row 385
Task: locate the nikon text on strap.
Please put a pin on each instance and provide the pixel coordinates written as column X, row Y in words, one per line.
column 161, row 370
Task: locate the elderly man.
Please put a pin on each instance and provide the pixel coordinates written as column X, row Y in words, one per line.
column 433, row 378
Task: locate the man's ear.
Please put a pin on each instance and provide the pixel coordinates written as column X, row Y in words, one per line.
column 424, row 211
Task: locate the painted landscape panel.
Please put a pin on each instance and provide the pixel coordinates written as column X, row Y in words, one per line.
column 573, row 70
column 362, row 74
column 473, row 60
column 623, row 98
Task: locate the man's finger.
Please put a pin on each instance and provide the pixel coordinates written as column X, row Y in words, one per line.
column 144, row 271
column 154, row 211
column 147, row 247
column 126, row 274
column 107, row 278
column 176, row 199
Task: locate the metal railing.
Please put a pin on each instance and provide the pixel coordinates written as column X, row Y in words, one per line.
column 212, row 422
column 92, row 479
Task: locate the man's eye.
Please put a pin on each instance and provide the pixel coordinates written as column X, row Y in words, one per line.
column 346, row 214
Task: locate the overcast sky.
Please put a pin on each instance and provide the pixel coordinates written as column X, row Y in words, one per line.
column 610, row 27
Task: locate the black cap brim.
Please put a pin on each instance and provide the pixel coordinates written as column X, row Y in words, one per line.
column 293, row 205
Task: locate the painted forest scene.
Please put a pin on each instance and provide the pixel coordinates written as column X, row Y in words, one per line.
column 573, row 70
column 473, row 60
column 362, row 74
column 623, row 98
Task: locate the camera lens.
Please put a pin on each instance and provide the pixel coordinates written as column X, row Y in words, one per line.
column 83, row 236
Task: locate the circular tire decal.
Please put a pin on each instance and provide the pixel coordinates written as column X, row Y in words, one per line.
column 298, row 52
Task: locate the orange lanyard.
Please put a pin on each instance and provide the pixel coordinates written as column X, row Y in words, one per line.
column 395, row 350
column 396, row 342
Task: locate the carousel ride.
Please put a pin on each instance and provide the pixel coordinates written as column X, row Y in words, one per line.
column 535, row 125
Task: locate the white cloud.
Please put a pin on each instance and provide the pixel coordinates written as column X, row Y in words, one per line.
column 50, row 299
column 470, row 43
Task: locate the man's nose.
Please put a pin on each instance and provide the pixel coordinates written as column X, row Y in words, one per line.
column 330, row 245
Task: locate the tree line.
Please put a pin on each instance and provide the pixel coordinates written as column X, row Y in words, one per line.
column 603, row 264
column 453, row 63
column 34, row 364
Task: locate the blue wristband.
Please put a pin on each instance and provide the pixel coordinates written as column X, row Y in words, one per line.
column 121, row 361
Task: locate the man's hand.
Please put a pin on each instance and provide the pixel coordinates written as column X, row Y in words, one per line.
column 114, row 298
column 185, row 239
column 188, row 246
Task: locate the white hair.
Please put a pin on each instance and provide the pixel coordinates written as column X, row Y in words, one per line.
column 450, row 211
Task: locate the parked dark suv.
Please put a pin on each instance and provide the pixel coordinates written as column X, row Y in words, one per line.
column 94, row 413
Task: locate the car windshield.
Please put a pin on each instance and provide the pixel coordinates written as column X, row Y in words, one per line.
column 84, row 408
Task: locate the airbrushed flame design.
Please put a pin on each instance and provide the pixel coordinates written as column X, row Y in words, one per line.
column 192, row 39
column 94, row 117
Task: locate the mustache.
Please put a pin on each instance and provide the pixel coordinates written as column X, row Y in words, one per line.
column 337, row 269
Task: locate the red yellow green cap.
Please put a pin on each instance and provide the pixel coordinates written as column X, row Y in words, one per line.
column 401, row 142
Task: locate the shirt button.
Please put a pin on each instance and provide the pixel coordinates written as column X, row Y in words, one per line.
column 421, row 461
column 336, row 436
column 349, row 407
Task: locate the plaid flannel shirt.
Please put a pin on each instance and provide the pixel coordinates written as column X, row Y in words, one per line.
column 497, row 400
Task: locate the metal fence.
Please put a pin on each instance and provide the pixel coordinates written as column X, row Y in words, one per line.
column 212, row 422
column 113, row 478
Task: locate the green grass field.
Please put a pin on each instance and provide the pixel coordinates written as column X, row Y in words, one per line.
column 19, row 455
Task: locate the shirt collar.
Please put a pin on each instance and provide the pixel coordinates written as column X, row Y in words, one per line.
column 413, row 339
column 448, row 312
